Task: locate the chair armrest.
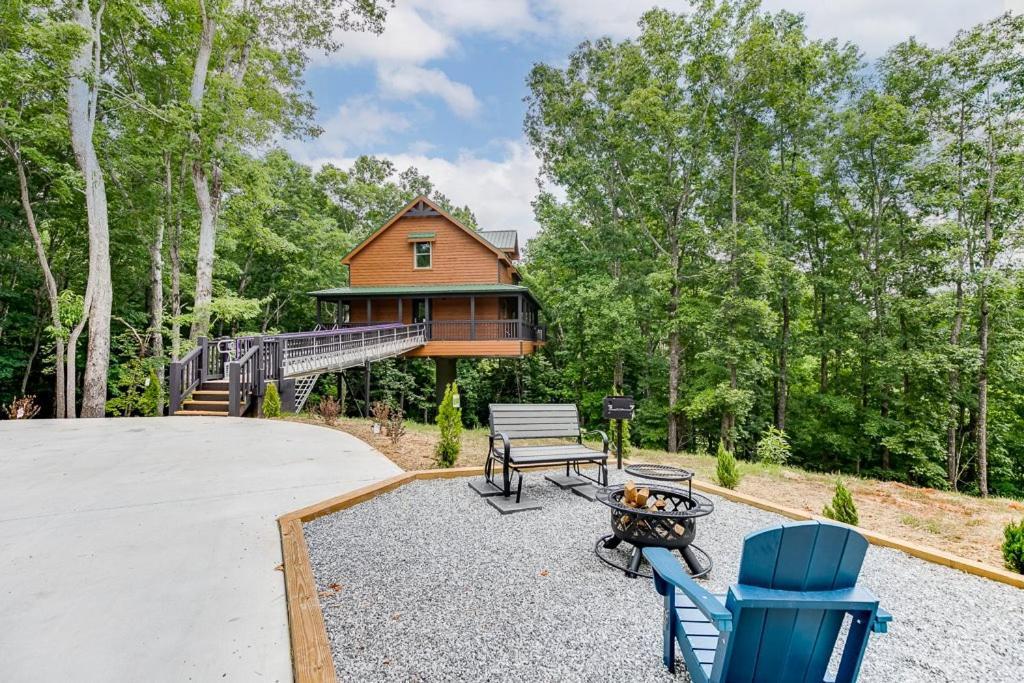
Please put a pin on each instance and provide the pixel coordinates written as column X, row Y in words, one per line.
column 604, row 438
column 668, row 574
column 852, row 599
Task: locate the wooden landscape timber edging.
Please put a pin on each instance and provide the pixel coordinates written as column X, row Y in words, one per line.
column 311, row 651
column 923, row 552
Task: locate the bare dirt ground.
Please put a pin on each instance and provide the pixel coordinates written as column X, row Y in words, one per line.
column 967, row 526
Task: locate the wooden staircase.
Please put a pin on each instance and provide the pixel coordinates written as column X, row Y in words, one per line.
column 209, row 398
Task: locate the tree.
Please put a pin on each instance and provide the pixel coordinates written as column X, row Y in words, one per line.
column 82, row 101
column 246, row 96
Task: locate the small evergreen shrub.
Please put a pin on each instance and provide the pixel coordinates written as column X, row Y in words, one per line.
column 449, row 420
column 842, row 508
column 728, row 472
column 271, row 401
column 1013, row 546
column 152, row 401
column 773, row 448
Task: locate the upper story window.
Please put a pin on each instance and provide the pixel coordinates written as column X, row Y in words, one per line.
column 421, row 255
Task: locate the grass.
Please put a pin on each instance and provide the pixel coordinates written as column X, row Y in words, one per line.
column 965, row 525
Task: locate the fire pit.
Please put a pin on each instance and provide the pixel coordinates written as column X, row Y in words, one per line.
column 654, row 516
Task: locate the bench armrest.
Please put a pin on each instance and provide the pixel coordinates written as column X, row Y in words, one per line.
column 669, row 575
column 604, row 438
column 507, row 444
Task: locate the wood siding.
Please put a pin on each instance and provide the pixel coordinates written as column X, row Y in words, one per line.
column 386, row 310
column 457, row 258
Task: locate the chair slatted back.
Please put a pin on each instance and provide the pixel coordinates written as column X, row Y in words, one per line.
column 791, row 644
column 535, row 421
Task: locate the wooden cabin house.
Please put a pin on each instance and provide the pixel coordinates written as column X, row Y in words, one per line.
column 424, row 266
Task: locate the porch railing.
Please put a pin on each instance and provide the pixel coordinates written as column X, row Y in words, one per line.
column 512, row 329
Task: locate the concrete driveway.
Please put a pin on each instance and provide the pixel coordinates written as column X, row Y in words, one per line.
column 145, row 549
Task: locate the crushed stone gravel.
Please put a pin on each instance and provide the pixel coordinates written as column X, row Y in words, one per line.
column 430, row 583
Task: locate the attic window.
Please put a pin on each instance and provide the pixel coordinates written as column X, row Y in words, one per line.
column 421, row 255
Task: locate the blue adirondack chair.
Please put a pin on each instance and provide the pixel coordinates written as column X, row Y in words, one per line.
column 780, row 621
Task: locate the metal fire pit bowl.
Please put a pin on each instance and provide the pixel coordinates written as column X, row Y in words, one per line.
column 673, row 527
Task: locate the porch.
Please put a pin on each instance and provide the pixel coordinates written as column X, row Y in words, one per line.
column 486, row 314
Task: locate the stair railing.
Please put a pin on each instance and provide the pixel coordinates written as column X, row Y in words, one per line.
column 187, row 374
column 245, row 379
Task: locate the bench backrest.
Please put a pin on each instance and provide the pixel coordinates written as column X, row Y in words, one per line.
column 535, row 421
column 792, row 644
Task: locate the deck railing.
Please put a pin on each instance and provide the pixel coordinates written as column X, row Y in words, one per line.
column 249, row 362
column 512, row 329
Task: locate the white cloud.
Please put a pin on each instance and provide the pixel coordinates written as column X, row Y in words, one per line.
column 407, row 38
column 404, row 81
column 359, row 121
column 499, row 190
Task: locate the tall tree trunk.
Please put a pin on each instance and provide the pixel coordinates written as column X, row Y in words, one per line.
column 207, row 201
column 988, row 258
column 175, row 254
column 48, row 280
column 728, row 416
column 953, row 416
column 783, row 382
column 156, row 285
column 83, row 92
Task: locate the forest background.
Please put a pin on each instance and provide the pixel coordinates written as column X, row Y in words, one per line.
column 747, row 229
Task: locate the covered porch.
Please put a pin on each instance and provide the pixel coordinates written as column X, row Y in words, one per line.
column 450, row 313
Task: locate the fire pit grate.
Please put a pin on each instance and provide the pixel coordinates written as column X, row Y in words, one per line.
column 666, row 517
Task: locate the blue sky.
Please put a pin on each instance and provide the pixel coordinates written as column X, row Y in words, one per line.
column 442, row 89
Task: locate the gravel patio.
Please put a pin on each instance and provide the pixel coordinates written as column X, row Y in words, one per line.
column 430, row 583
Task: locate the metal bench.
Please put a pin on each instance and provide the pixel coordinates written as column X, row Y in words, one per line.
column 517, row 422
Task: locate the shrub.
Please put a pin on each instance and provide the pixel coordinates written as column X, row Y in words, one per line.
column 24, row 408
column 842, row 508
column 152, row 401
column 728, row 471
column 449, row 420
column 380, row 410
column 328, row 409
column 773, row 448
column 271, row 401
column 396, row 425
column 1013, row 546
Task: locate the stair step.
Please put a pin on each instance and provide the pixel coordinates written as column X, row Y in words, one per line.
column 204, row 405
column 219, row 413
column 210, row 395
column 214, row 385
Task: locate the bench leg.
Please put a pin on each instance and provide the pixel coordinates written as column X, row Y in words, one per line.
column 506, row 480
column 519, row 489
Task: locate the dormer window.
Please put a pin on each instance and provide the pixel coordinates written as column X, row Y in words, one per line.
column 421, row 255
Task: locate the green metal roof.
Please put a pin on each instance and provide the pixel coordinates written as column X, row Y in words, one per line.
column 420, row 290
column 502, row 239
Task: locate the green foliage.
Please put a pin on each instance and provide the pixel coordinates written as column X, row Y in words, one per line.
column 271, row 401
column 152, row 402
column 842, row 508
column 727, row 470
column 1013, row 546
column 449, row 420
column 135, row 389
column 773, row 448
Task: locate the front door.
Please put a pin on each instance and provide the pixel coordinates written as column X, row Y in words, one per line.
column 420, row 310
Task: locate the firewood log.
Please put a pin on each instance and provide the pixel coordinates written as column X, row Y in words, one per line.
column 641, row 497
column 629, row 494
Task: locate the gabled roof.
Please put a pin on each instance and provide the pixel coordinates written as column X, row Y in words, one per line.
column 506, row 240
column 421, row 206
